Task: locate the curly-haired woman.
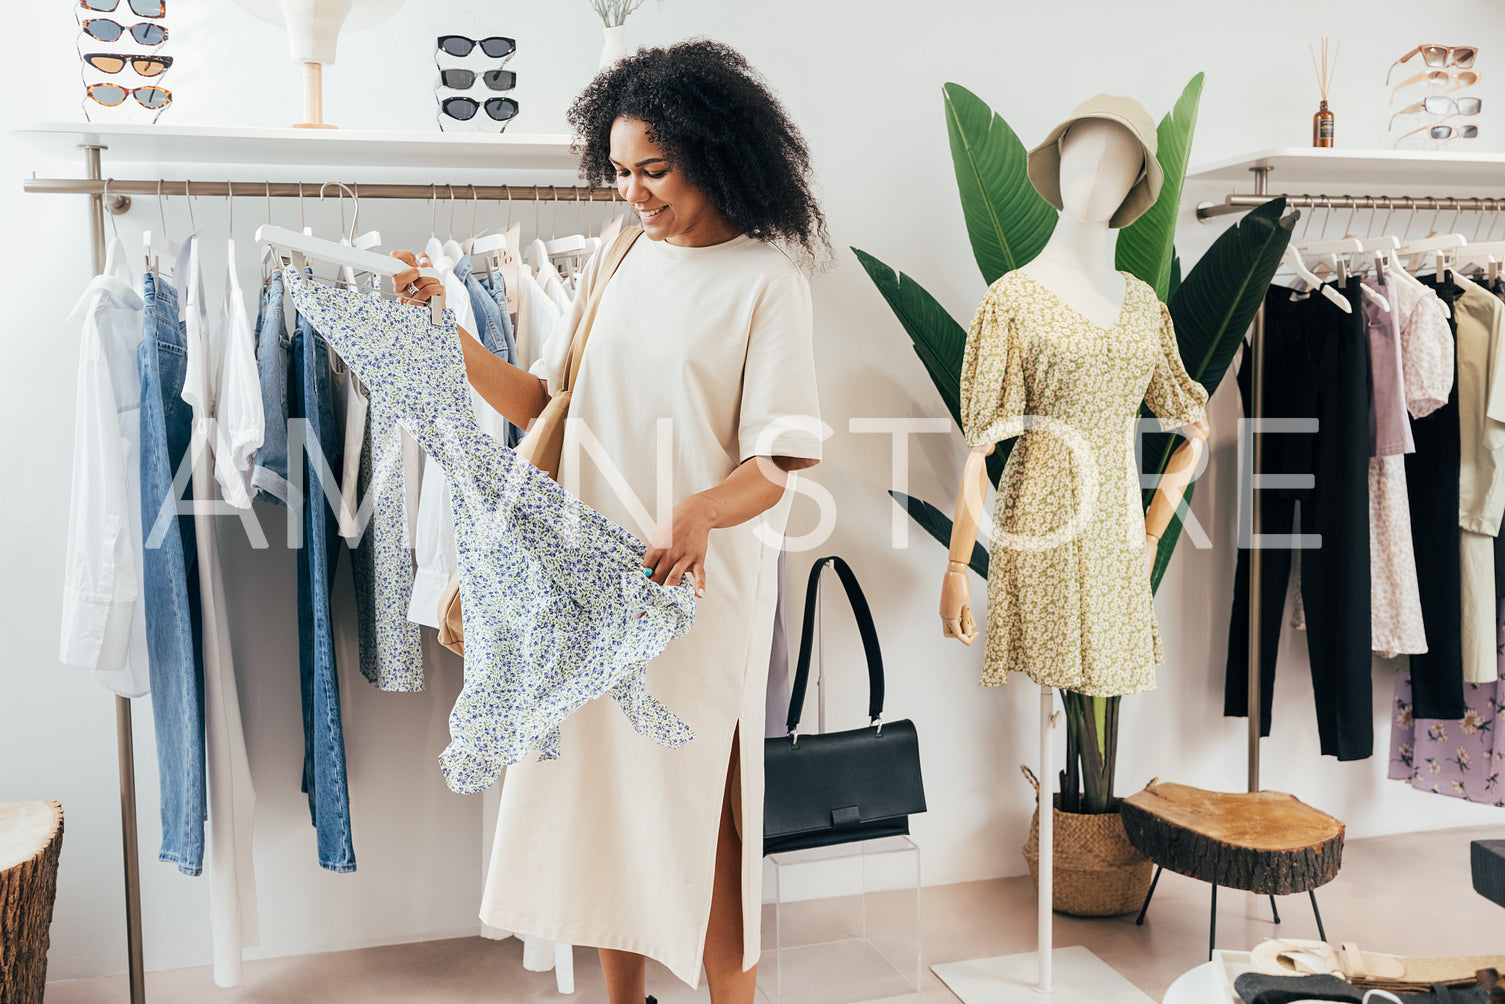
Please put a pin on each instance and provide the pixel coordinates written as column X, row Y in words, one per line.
column 697, row 390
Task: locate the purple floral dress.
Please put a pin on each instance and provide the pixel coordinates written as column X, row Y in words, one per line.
column 1462, row 758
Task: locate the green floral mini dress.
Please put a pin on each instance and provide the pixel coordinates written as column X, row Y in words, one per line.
column 1068, row 595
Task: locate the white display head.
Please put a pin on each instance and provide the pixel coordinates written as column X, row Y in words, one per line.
column 1101, row 161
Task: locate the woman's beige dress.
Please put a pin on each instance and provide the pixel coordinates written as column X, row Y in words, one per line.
column 699, row 358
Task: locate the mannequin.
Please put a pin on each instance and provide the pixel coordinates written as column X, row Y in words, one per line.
column 1101, row 160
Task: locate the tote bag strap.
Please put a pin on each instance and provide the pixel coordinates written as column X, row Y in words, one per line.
column 864, row 627
column 614, row 255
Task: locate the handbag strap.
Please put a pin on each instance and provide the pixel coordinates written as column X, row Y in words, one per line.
column 864, row 627
column 614, row 255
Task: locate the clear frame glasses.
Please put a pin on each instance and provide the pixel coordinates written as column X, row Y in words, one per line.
column 1440, row 105
column 1439, row 57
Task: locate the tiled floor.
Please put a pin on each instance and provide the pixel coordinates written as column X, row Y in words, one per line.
column 1407, row 894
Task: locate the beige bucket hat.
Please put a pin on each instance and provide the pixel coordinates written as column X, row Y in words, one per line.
column 1045, row 159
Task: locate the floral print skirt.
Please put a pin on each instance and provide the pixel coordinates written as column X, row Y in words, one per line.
column 1460, row 758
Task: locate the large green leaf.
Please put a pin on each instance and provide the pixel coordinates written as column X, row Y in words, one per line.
column 1213, row 307
column 1146, row 247
column 1007, row 219
column 938, row 340
column 935, row 523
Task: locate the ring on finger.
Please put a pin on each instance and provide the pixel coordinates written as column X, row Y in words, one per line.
column 412, row 288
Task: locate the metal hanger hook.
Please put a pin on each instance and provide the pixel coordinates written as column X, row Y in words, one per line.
column 355, row 209
column 161, row 207
column 451, row 235
column 433, row 210
column 1389, row 212
column 554, row 221
column 269, row 203
column 349, row 234
column 577, row 209
column 1457, row 212
column 105, row 201
column 1311, row 215
column 1352, row 212
column 475, row 207
column 188, row 198
column 230, row 201
column 302, row 218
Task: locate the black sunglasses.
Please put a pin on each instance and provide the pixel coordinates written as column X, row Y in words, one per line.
column 465, row 109
column 142, row 8
column 496, row 46
column 463, row 80
column 106, row 30
column 114, row 62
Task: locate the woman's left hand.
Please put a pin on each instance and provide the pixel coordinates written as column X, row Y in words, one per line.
column 679, row 543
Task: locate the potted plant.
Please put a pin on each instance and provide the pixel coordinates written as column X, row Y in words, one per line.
column 1008, row 223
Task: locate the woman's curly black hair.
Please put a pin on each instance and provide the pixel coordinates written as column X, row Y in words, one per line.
column 717, row 121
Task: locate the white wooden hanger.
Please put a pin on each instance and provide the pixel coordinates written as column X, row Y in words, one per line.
column 1292, row 259
column 157, row 245
column 302, row 246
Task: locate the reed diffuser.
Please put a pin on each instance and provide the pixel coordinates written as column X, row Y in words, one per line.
column 1323, row 121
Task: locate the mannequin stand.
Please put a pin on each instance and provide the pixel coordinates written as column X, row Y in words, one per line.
column 1028, row 975
column 313, row 98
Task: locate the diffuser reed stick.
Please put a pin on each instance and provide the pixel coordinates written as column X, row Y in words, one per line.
column 614, row 13
column 1323, row 121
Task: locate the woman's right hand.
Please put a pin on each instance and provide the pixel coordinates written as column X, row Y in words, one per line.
column 956, row 606
column 427, row 286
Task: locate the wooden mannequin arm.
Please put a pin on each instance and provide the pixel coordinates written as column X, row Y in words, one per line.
column 1172, row 487
column 956, row 590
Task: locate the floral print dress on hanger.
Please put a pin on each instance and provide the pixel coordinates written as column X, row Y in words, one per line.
column 1068, row 590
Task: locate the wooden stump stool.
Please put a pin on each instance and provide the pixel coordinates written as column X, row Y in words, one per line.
column 31, row 837
column 1263, row 842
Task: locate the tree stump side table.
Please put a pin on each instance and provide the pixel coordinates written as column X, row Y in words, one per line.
column 1265, row 842
column 31, row 838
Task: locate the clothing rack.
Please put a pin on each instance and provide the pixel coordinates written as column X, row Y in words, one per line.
column 98, row 188
column 1239, row 203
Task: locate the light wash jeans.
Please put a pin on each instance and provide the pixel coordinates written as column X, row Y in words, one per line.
column 170, row 580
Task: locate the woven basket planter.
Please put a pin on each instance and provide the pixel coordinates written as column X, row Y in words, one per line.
column 1098, row 873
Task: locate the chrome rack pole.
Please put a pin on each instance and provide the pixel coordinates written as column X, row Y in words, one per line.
column 123, row 737
column 287, row 189
column 1256, row 451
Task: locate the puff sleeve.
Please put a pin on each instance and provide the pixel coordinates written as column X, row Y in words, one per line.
column 992, row 378
column 1173, row 396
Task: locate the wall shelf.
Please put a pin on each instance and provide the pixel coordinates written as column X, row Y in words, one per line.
column 1294, row 168
column 148, row 144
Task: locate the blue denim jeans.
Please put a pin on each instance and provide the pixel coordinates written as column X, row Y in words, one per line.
column 273, row 361
column 496, row 291
column 323, row 735
column 170, row 580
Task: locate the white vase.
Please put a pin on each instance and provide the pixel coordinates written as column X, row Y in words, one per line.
column 615, row 47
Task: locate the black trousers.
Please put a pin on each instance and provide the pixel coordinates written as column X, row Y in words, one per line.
column 1432, row 488
column 1316, row 366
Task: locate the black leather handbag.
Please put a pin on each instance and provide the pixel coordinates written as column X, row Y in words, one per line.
column 838, row 787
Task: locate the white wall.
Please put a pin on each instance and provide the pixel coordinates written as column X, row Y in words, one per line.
column 863, row 80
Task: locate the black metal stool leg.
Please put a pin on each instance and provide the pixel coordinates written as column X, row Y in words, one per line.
column 1275, row 909
column 1145, row 909
column 1320, row 932
column 1212, row 923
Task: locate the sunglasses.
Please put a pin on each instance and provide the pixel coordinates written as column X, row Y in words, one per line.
column 114, row 62
column 1438, row 78
column 111, row 95
column 105, row 30
column 1439, row 56
column 496, row 46
column 1444, row 132
column 465, row 109
column 142, row 8
column 463, row 80
column 1441, row 105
